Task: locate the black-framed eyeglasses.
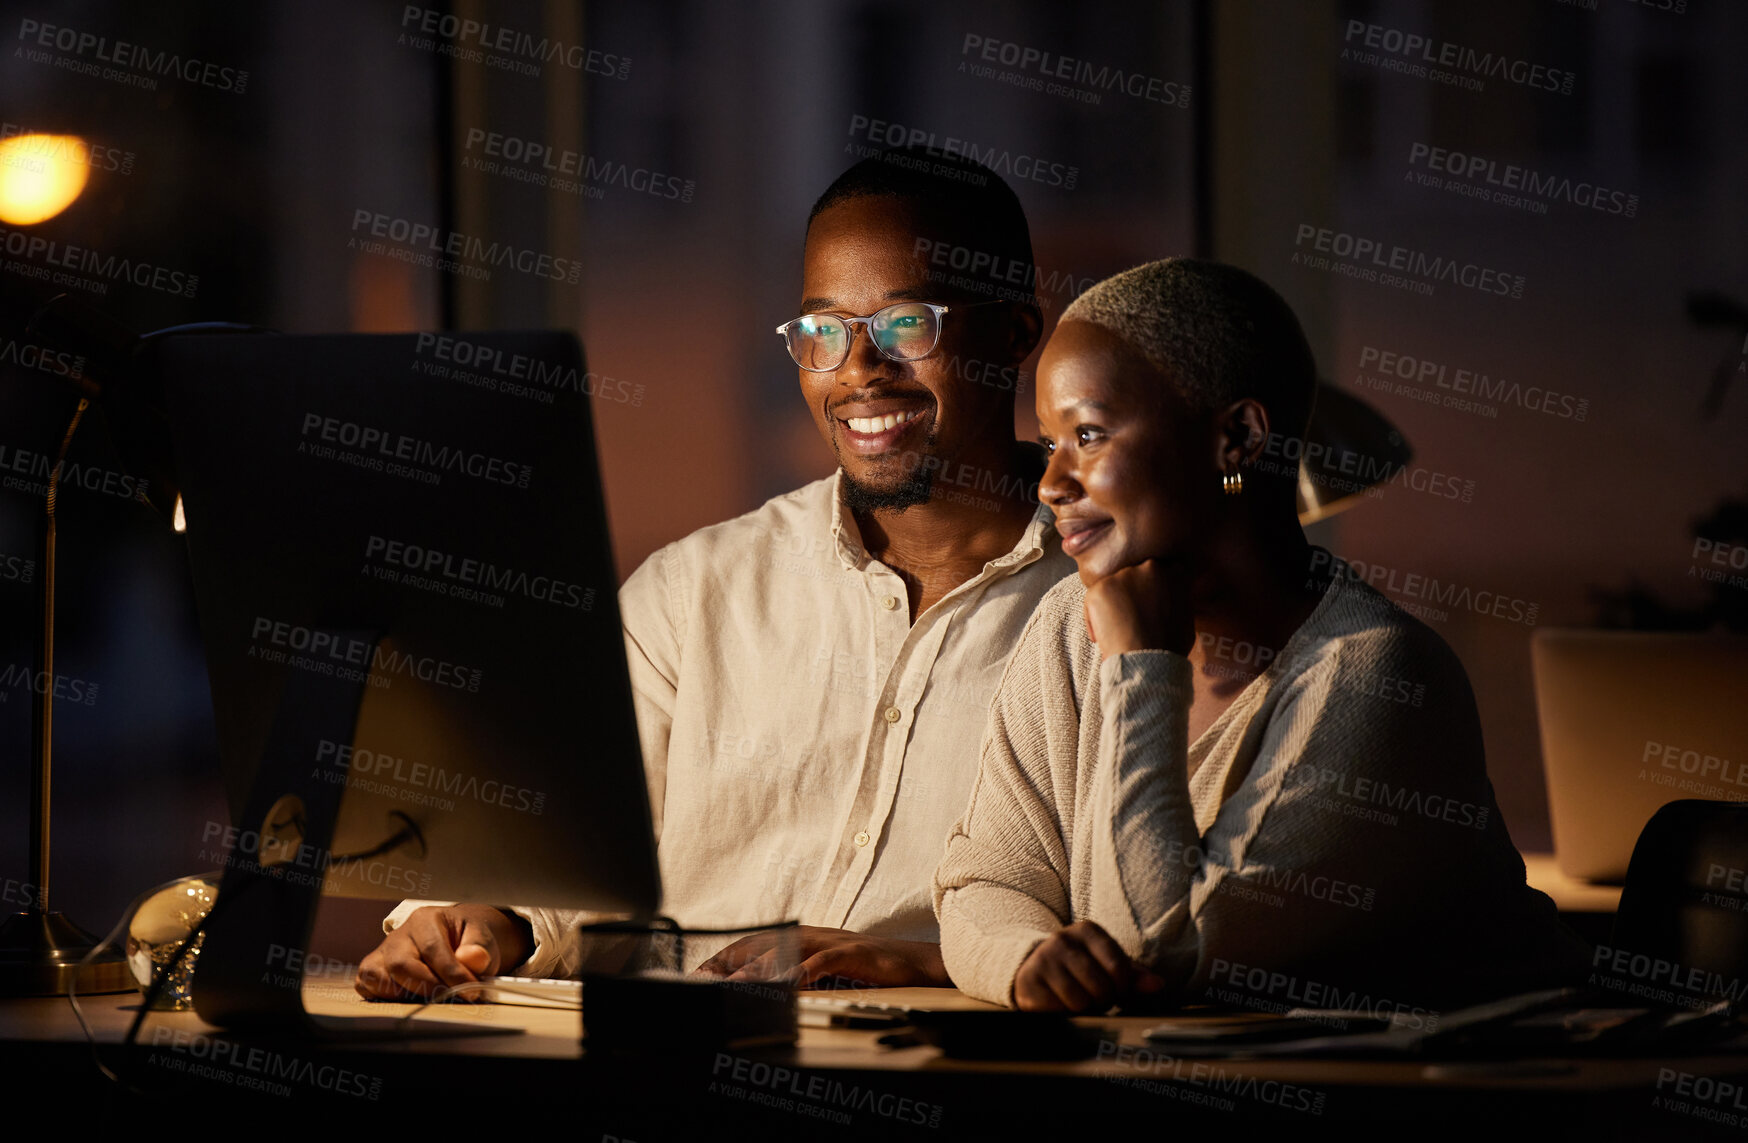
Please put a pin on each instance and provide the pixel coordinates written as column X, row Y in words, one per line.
column 903, row 331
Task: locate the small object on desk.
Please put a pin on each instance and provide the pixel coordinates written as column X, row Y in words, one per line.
column 847, row 1015
column 674, row 1013
column 157, row 930
column 1007, row 1035
column 808, row 1018
column 907, row 1038
column 813, row 1011
column 829, row 1002
column 533, row 991
column 1263, row 1027
column 1486, row 1029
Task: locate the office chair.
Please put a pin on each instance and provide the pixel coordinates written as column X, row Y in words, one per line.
column 1683, row 918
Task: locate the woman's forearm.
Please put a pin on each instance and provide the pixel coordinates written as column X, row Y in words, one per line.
column 1143, row 771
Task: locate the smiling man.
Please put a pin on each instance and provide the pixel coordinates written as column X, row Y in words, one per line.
column 812, row 679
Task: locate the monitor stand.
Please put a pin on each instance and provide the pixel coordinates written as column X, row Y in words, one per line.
column 273, row 878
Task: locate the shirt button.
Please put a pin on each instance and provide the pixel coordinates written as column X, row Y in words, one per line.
column 862, row 838
column 893, row 714
column 890, row 603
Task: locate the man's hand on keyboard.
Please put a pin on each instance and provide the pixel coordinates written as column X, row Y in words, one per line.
column 439, row 946
column 811, row 957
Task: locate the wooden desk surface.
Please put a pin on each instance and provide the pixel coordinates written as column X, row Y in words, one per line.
column 555, row 1034
column 1570, row 895
column 764, row 1091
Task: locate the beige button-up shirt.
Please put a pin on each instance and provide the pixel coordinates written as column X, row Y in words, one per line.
column 808, row 748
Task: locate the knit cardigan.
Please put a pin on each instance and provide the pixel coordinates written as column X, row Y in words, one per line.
column 1331, row 841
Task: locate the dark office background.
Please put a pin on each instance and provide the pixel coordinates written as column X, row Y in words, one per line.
column 737, row 116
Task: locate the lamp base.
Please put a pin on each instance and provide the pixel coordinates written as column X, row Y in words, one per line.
column 40, row 955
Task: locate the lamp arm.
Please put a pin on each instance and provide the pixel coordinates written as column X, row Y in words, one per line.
column 123, row 359
column 42, row 721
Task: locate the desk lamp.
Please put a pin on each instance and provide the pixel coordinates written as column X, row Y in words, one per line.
column 1341, row 425
column 41, row 950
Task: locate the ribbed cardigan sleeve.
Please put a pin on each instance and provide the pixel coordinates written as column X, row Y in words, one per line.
column 1315, row 867
column 1003, row 883
column 1145, row 844
column 1274, row 877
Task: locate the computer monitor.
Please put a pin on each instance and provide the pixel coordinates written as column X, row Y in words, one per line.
column 408, row 603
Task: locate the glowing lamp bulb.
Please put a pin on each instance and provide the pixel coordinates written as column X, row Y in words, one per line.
column 40, row 176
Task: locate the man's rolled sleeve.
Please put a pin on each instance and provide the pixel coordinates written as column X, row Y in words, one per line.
column 405, row 909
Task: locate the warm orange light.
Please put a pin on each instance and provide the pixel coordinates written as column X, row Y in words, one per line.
column 40, row 176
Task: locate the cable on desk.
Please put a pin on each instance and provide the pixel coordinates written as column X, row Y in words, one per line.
column 409, row 831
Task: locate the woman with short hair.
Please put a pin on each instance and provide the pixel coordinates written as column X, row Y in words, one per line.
column 1220, row 768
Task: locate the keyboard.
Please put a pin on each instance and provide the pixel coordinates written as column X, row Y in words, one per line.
column 819, row 1010
column 533, row 991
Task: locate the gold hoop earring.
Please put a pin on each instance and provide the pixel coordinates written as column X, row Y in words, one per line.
column 1233, row 483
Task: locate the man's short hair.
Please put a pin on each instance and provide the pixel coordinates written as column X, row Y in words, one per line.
column 983, row 246
column 1217, row 333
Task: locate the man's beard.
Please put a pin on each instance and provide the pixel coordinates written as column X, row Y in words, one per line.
column 914, row 488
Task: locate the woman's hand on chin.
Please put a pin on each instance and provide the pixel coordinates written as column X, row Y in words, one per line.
column 1145, row 607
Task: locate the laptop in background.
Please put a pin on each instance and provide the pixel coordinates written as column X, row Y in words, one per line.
column 1631, row 721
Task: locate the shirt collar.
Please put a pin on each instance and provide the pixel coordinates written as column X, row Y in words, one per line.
column 847, row 537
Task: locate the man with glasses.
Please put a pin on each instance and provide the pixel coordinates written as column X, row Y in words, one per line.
column 812, row 679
